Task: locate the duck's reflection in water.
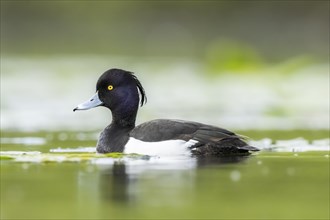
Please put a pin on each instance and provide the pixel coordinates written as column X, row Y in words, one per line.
column 114, row 183
column 127, row 183
column 207, row 161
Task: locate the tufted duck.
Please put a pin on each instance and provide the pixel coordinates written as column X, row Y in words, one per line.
column 118, row 90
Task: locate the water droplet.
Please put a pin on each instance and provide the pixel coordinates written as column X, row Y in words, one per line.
column 25, row 166
column 290, row 171
column 63, row 136
column 81, row 136
column 235, row 175
column 265, row 171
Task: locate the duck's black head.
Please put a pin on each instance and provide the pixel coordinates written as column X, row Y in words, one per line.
column 119, row 91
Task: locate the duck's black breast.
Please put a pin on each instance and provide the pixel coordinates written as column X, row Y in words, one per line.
column 209, row 139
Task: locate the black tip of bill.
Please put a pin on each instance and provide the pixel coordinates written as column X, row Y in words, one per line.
column 93, row 102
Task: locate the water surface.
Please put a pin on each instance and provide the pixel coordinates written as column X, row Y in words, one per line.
column 272, row 184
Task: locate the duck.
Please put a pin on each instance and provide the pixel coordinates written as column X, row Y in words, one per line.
column 122, row 93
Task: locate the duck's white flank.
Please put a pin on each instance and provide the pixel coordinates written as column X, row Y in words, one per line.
column 162, row 148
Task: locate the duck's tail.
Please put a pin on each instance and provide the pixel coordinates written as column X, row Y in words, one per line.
column 226, row 147
column 248, row 148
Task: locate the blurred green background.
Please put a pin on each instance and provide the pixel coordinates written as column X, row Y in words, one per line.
column 255, row 64
column 267, row 30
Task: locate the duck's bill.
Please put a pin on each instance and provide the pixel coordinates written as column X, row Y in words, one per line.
column 93, row 102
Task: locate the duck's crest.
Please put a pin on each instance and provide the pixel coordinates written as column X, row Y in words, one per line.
column 140, row 88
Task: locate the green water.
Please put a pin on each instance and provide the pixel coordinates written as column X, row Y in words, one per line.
column 267, row 185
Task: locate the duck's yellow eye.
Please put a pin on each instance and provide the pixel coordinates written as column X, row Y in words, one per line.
column 110, row 87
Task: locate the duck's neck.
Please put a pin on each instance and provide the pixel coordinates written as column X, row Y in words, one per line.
column 126, row 120
column 115, row 136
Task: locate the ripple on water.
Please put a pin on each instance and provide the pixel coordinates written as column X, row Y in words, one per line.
column 292, row 145
column 74, row 150
column 136, row 163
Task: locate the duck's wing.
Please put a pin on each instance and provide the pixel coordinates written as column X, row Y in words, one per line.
column 208, row 138
column 165, row 129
